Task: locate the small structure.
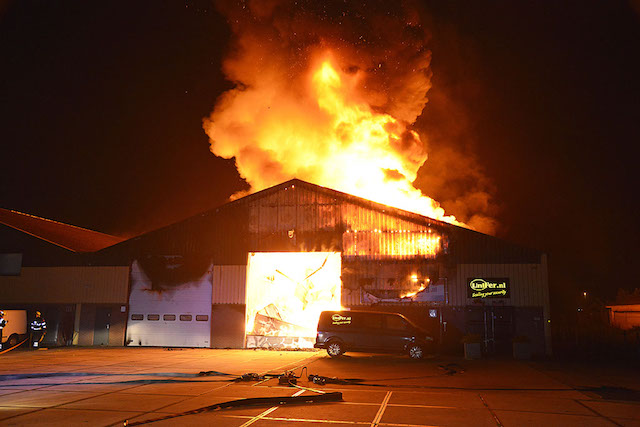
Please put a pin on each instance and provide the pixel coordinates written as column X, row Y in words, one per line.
column 624, row 316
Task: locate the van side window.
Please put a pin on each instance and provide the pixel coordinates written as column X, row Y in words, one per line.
column 396, row 323
column 371, row 321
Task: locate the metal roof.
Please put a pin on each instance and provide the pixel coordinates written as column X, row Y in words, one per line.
column 260, row 222
column 70, row 237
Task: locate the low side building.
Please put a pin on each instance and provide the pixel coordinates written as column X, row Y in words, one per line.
column 624, row 316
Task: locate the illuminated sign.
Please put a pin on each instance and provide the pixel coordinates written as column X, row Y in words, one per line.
column 338, row 319
column 488, row 288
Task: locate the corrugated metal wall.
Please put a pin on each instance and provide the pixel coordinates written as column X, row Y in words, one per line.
column 351, row 297
column 66, row 285
column 527, row 283
column 298, row 218
column 470, row 247
column 229, row 284
column 529, row 287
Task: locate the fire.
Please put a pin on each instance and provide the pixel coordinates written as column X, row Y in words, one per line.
column 412, row 294
column 423, row 286
column 327, row 94
column 287, row 291
column 338, row 142
column 392, row 243
column 363, row 159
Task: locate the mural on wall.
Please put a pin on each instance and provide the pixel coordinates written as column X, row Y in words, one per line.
column 286, row 291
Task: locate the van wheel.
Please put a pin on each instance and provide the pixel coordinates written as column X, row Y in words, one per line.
column 13, row 340
column 335, row 349
column 416, row 351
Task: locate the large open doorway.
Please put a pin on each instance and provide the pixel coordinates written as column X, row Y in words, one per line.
column 286, row 291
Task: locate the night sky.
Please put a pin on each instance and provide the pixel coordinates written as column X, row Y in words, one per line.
column 102, row 106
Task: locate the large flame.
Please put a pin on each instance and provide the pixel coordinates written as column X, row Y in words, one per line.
column 338, row 142
column 287, row 291
column 327, row 96
column 363, row 156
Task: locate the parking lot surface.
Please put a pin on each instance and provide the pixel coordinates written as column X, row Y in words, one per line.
column 162, row 387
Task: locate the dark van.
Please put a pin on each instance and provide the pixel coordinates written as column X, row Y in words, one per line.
column 368, row 331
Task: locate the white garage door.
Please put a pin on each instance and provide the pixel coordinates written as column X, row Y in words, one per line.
column 179, row 317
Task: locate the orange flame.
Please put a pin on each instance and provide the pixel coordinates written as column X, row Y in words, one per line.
column 287, row 291
column 423, row 286
column 326, row 136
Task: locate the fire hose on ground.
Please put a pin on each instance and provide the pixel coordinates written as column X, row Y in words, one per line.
column 14, row 347
column 255, row 401
column 288, row 378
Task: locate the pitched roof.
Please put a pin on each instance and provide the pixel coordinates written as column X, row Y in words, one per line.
column 70, row 237
column 467, row 246
column 370, row 204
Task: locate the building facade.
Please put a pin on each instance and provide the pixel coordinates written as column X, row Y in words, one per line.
column 257, row 271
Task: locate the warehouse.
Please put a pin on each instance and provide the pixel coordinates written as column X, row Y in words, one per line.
column 257, row 271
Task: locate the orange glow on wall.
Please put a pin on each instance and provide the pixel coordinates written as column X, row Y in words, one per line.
column 391, row 243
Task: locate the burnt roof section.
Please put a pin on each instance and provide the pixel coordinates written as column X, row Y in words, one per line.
column 400, row 213
column 69, row 237
column 226, row 221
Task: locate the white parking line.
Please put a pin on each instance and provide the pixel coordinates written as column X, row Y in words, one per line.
column 383, row 406
column 268, row 411
column 311, row 420
column 400, row 405
column 303, row 420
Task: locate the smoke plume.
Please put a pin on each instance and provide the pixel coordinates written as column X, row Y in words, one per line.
column 327, row 92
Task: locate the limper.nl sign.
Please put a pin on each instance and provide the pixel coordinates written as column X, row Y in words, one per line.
column 488, row 288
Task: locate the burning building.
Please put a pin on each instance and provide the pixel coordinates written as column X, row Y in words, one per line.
column 329, row 93
column 257, row 271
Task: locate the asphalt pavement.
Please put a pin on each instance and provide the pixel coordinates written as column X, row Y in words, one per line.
column 163, row 387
